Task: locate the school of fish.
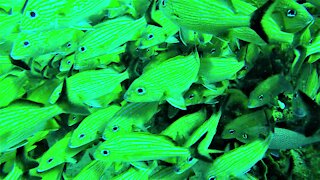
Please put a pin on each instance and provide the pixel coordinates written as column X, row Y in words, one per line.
column 159, row 89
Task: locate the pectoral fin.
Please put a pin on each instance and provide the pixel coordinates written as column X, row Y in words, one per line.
column 177, row 101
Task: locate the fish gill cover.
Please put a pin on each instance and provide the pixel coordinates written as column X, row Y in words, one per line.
column 159, row 89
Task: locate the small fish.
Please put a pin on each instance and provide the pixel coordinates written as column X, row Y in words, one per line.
column 167, row 79
column 57, row 154
column 94, row 170
column 32, row 44
column 109, row 36
column 238, row 161
column 288, row 139
column 17, row 116
column 215, row 69
column 267, row 90
column 131, row 117
column 220, row 15
column 247, row 127
column 84, row 87
column 88, row 129
column 138, row 146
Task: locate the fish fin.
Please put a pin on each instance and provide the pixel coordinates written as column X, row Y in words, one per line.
column 93, row 102
column 140, row 165
column 177, row 101
column 71, row 160
column 172, row 40
column 20, row 144
column 52, row 125
column 84, row 26
column 195, row 152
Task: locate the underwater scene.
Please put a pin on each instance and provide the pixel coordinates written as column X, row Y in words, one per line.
column 160, row 89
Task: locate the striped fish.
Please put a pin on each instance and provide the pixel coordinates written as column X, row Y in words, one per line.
column 41, row 15
column 238, row 161
column 94, row 170
column 37, row 43
column 106, row 37
column 21, row 120
column 208, row 16
column 138, row 146
column 57, row 154
column 165, row 79
column 130, row 117
column 88, row 129
column 85, row 87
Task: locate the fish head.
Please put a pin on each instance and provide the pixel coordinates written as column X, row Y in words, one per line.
column 291, row 15
column 49, row 161
column 66, row 63
column 230, row 132
column 258, row 98
column 81, row 137
column 192, row 96
column 24, row 46
column 184, row 163
column 102, row 152
column 143, row 91
column 152, row 36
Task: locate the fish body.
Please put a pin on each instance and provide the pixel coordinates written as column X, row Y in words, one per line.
column 89, row 127
column 267, row 90
column 32, row 44
column 95, row 170
column 107, row 37
column 247, row 127
column 16, row 117
column 132, row 116
column 166, row 79
column 57, row 154
column 86, row 86
column 208, row 16
column 138, row 146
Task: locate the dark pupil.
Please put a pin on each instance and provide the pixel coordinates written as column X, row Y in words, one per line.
column 163, row 3
column 245, row 136
column 191, row 96
column 32, row 14
column 211, row 178
column 68, row 62
column 50, row 160
column 115, row 128
column 190, row 159
column 81, row 136
column 105, row 152
column 260, row 97
column 82, row 49
column 231, row 131
column 140, row 90
column 26, row 43
column 68, row 45
column 291, row 13
column 150, row 36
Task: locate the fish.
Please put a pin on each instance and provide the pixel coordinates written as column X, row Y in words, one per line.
column 154, row 85
column 17, row 116
column 216, row 69
column 220, row 16
column 131, row 117
column 265, row 92
column 194, row 38
column 248, row 127
column 32, row 44
column 42, row 16
column 138, row 146
column 84, row 87
column 288, row 139
column 109, row 36
column 95, row 170
column 89, row 128
column 67, row 63
column 238, row 161
column 57, row 154
column 180, row 133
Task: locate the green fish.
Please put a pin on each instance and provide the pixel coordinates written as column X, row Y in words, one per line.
column 165, row 80
column 58, row 153
column 85, row 87
column 42, row 93
column 266, row 92
column 109, row 36
column 131, row 117
column 90, row 127
column 288, row 139
column 17, row 116
column 94, row 170
column 247, row 127
column 138, row 146
column 194, row 38
column 32, row 44
column 220, row 15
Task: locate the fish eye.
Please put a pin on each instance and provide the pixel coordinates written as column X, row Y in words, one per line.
column 212, row 178
column 191, row 96
column 260, row 97
column 245, row 136
column 68, row 44
column 26, row 43
column 32, row 14
column 82, row 49
column 163, row 3
column 50, row 160
column 115, row 128
column 68, row 62
column 105, row 152
column 150, row 36
column 81, row 136
column 291, row 13
column 74, row 117
column 141, row 91
column 190, row 159
column 232, row 131
column 176, row 169
column 213, row 50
